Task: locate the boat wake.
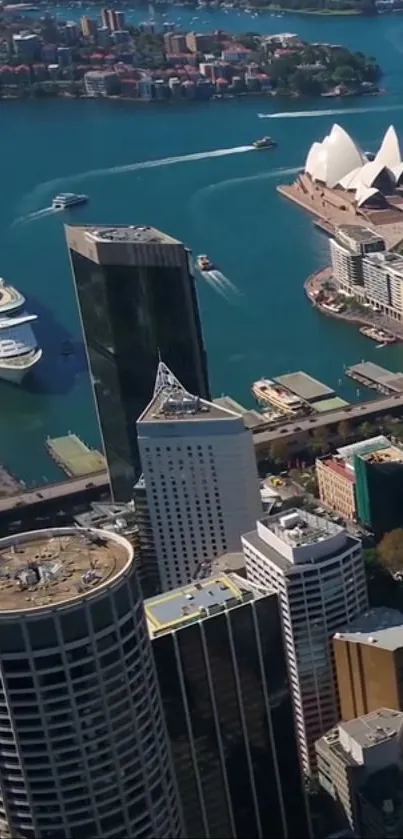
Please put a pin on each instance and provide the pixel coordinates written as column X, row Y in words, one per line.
column 59, row 183
column 221, row 285
column 330, row 112
column 46, row 211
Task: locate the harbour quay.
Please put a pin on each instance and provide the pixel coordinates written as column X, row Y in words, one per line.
column 378, row 378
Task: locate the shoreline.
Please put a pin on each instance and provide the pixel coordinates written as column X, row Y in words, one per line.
column 315, row 282
column 239, row 8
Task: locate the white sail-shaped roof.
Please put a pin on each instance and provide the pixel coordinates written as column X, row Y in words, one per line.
column 397, row 173
column 364, row 193
column 351, row 180
column 371, row 171
column 389, row 153
column 334, row 158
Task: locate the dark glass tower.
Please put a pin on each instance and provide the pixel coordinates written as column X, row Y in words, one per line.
column 220, row 660
column 138, row 303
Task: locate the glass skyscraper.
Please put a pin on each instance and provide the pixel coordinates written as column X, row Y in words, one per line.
column 220, row 661
column 137, row 300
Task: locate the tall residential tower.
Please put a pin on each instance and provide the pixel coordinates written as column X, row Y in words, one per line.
column 201, row 479
column 83, row 744
column 317, row 569
column 137, row 299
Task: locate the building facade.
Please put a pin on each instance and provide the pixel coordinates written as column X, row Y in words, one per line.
column 137, row 299
column 369, row 663
column 336, row 485
column 220, row 661
column 101, row 83
column 360, row 767
column 201, row 478
column 83, row 744
column 317, row 569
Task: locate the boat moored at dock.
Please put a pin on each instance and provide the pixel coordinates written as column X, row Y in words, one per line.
column 268, row 392
column 378, row 335
column 19, row 351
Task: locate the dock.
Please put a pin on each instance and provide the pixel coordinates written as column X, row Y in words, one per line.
column 377, row 378
column 9, row 484
column 74, row 457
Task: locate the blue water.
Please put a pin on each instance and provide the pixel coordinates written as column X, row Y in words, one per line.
column 224, row 205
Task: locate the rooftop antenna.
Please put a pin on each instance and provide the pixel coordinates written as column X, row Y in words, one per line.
column 165, row 379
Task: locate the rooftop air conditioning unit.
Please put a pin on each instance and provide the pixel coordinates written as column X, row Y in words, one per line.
column 289, row 521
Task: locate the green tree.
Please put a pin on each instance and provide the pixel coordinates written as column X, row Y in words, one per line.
column 344, row 430
column 278, row 451
column 390, row 550
column 366, row 430
column 320, row 442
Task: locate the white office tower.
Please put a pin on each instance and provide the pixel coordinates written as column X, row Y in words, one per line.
column 201, row 479
column 83, row 748
column 317, row 569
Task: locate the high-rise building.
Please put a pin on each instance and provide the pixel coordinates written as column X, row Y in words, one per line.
column 137, row 297
column 221, row 667
column 83, row 743
column 201, row 478
column 88, row 27
column 360, row 766
column 369, row 663
column 317, row 569
column 149, row 575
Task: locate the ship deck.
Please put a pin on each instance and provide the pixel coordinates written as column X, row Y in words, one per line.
column 10, row 297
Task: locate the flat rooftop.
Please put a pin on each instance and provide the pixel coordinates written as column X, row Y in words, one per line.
column 74, row 457
column 175, row 404
column 378, row 627
column 374, row 728
column 232, row 562
column 359, row 234
column 251, row 418
column 133, row 233
column 52, row 569
column 392, row 454
column 332, row 404
column 307, row 528
column 379, row 375
column 173, row 609
column 339, row 467
column 364, row 447
column 387, row 259
column 304, row 386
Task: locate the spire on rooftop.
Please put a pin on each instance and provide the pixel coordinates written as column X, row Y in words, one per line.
column 166, row 380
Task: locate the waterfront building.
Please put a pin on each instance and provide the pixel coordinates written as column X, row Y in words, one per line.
column 64, row 56
column 84, row 749
column 317, row 569
column 360, row 767
column 105, row 18
column 116, row 20
column 146, row 88
column 27, row 46
column 175, row 44
column 368, row 655
column 364, row 481
column 201, row 478
column 219, row 654
column 199, row 42
column 101, row 83
column 347, row 250
column 88, row 27
column 70, row 32
column 144, row 280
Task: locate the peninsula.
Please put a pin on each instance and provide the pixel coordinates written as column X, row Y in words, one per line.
column 108, row 58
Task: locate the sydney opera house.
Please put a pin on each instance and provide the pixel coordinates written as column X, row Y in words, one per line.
column 340, row 181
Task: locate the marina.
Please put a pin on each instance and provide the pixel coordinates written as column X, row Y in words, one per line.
column 74, row 457
column 377, row 378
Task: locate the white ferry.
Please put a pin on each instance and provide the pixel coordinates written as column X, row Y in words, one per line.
column 268, row 392
column 68, row 199
column 19, row 351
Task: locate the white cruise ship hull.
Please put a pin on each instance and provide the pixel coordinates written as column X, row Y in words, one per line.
column 16, row 375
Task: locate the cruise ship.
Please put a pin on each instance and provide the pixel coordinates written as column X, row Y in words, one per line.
column 19, row 351
column 268, row 392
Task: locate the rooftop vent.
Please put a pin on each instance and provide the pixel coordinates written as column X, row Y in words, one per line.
column 290, row 521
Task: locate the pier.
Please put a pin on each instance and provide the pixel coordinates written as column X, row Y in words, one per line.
column 9, row 484
column 73, row 456
column 378, row 378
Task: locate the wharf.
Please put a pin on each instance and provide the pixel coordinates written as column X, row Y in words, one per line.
column 74, row 457
column 9, row 484
column 378, row 378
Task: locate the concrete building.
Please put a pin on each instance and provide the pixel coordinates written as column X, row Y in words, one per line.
column 369, row 663
column 317, row 569
column 88, row 27
column 219, row 653
column 84, row 750
column 27, row 46
column 175, row 44
column 145, row 282
column 360, row 766
column 101, row 83
column 201, row 478
column 364, row 481
column 199, row 42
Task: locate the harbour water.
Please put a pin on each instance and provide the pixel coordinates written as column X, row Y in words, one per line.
column 189, row 170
